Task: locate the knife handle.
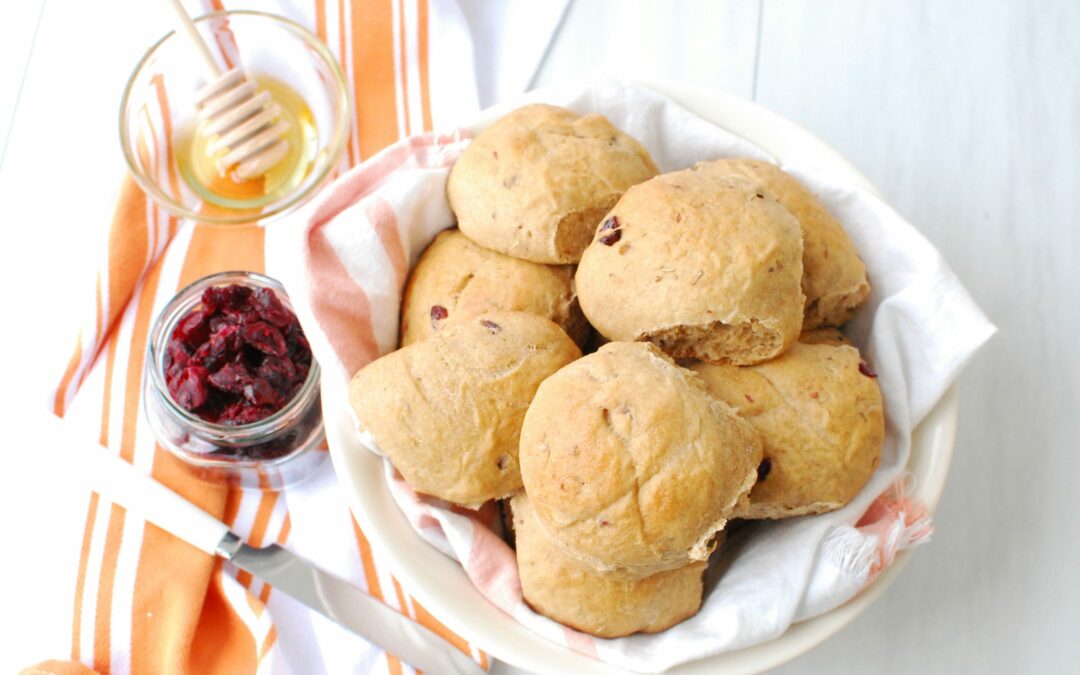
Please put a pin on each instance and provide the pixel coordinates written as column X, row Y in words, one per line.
column 118, row 481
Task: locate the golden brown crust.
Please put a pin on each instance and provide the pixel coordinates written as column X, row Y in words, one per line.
column 705, row 267
column 821, row 421
column 630, row 464
column 466, row 280
column 535, row 183
column 448, row 410
column 604, row 605
column 834, row 277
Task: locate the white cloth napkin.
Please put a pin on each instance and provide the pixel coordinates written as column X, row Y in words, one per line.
column 918, row 329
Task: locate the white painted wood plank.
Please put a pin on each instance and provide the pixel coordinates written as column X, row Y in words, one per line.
column 17, row 30
column 709, row 42
column 967, row 116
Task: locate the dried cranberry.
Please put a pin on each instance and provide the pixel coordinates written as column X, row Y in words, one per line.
column 193, row 329
column 241, row 413
column 189, row 388
column 491, row 326
column 764, row 468
column 259, row 392
column 265, row 338
column 438, row 313
column 865, row 369
column 205, row 357
column 270, row 307
column 614, row 234
column 231, row 378
column 176, row 353
column 225, row 338
column 279, row 372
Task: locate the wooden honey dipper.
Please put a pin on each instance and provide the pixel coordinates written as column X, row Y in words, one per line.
column 247, row 123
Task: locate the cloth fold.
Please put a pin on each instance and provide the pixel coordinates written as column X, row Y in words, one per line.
column 918, row 329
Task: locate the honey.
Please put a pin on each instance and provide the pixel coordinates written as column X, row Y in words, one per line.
column 199, row 168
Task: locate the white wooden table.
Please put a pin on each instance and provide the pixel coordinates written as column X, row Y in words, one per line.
column 966, row 115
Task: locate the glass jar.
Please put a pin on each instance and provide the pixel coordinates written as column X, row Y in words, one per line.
column 270, row 453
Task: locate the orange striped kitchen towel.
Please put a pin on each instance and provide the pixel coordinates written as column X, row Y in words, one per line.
column 144, row 602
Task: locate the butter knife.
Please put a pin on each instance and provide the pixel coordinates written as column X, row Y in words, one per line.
column 333, row 597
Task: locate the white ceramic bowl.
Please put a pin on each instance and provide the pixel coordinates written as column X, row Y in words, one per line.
column 440, row 584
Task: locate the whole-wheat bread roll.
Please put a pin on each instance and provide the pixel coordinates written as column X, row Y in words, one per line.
column 605, row 605
column 704, row 267
column 834, row 277
column 821, row 419
column 535, row 183
column 629, row 463
column 448, row 410
column 457, row 279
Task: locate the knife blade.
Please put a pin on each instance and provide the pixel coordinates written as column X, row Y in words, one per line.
column 118, row 481
column 348, row 605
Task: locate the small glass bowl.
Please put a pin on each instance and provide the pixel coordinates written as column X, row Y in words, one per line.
column 158, row 107
column 271, row 453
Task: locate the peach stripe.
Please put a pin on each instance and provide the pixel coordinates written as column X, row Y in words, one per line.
column 373, row 74
column 340, row 305
column 425, row 88
column 382, row 217
column 579, row 642
column 80, row 578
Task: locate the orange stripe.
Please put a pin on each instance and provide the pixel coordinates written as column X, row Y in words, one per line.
column 320, row 20
column 80, row 579
column 400, row 597
column 373, row 74
column 393, row 664
column 132, row 389
column 368, row 561
column 103, row 618
column 60, row 401
column 404, row 61
column 268, row 642
column 425, row 89
column 424, row 618
column 343, row 50
column 222, row 642
column 286, row 528
column 166, row 120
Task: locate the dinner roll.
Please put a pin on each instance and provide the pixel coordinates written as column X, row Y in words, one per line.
column 605, row 605
column 536, row 182
column 448, row 410
column 834, row 277
column 704, row 267
column 630, row 465
column 819, row 411
column 456, row 279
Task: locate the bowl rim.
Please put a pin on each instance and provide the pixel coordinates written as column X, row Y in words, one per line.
column 439, row 582
column 336, row 147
